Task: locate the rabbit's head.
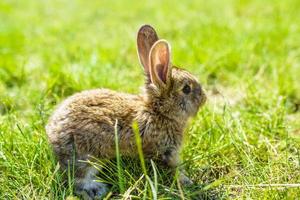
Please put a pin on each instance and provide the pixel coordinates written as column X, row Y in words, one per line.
column 170, row 91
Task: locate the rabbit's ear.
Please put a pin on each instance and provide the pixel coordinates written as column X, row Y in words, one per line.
column 160, row 55
column 145, row 39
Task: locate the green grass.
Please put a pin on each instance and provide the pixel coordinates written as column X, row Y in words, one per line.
column 246, row 54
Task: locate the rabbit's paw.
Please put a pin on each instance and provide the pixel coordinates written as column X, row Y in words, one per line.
column 184, row 180
column 92, row 190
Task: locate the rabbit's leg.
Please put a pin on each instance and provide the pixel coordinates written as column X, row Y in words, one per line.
column 86, row 184
column 85, row 175
column 171, row 159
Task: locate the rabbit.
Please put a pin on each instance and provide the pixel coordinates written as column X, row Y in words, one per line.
column 83, row 124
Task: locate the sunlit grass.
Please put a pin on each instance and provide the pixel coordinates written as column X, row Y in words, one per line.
column 246, row 54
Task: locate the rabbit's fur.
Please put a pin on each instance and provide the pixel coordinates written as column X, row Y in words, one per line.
column 83, row 125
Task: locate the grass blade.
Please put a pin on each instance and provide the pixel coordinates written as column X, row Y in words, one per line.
column 118, row 157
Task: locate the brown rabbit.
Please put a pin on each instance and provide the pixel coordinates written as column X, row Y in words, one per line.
column 83, row 125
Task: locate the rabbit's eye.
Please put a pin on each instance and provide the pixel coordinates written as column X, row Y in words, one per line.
column 186, row 89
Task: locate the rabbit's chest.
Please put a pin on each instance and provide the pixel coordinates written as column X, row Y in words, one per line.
column 159, row 143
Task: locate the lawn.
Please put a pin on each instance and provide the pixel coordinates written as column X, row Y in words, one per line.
column 241, row 145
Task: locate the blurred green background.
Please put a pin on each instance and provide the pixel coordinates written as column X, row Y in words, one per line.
column 245, row 53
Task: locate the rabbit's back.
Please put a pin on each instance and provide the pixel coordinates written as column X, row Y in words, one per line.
column 86, row 121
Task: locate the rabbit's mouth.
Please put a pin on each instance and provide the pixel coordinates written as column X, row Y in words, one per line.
column 203, row 99
column 192, row 106
column 200, row 101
